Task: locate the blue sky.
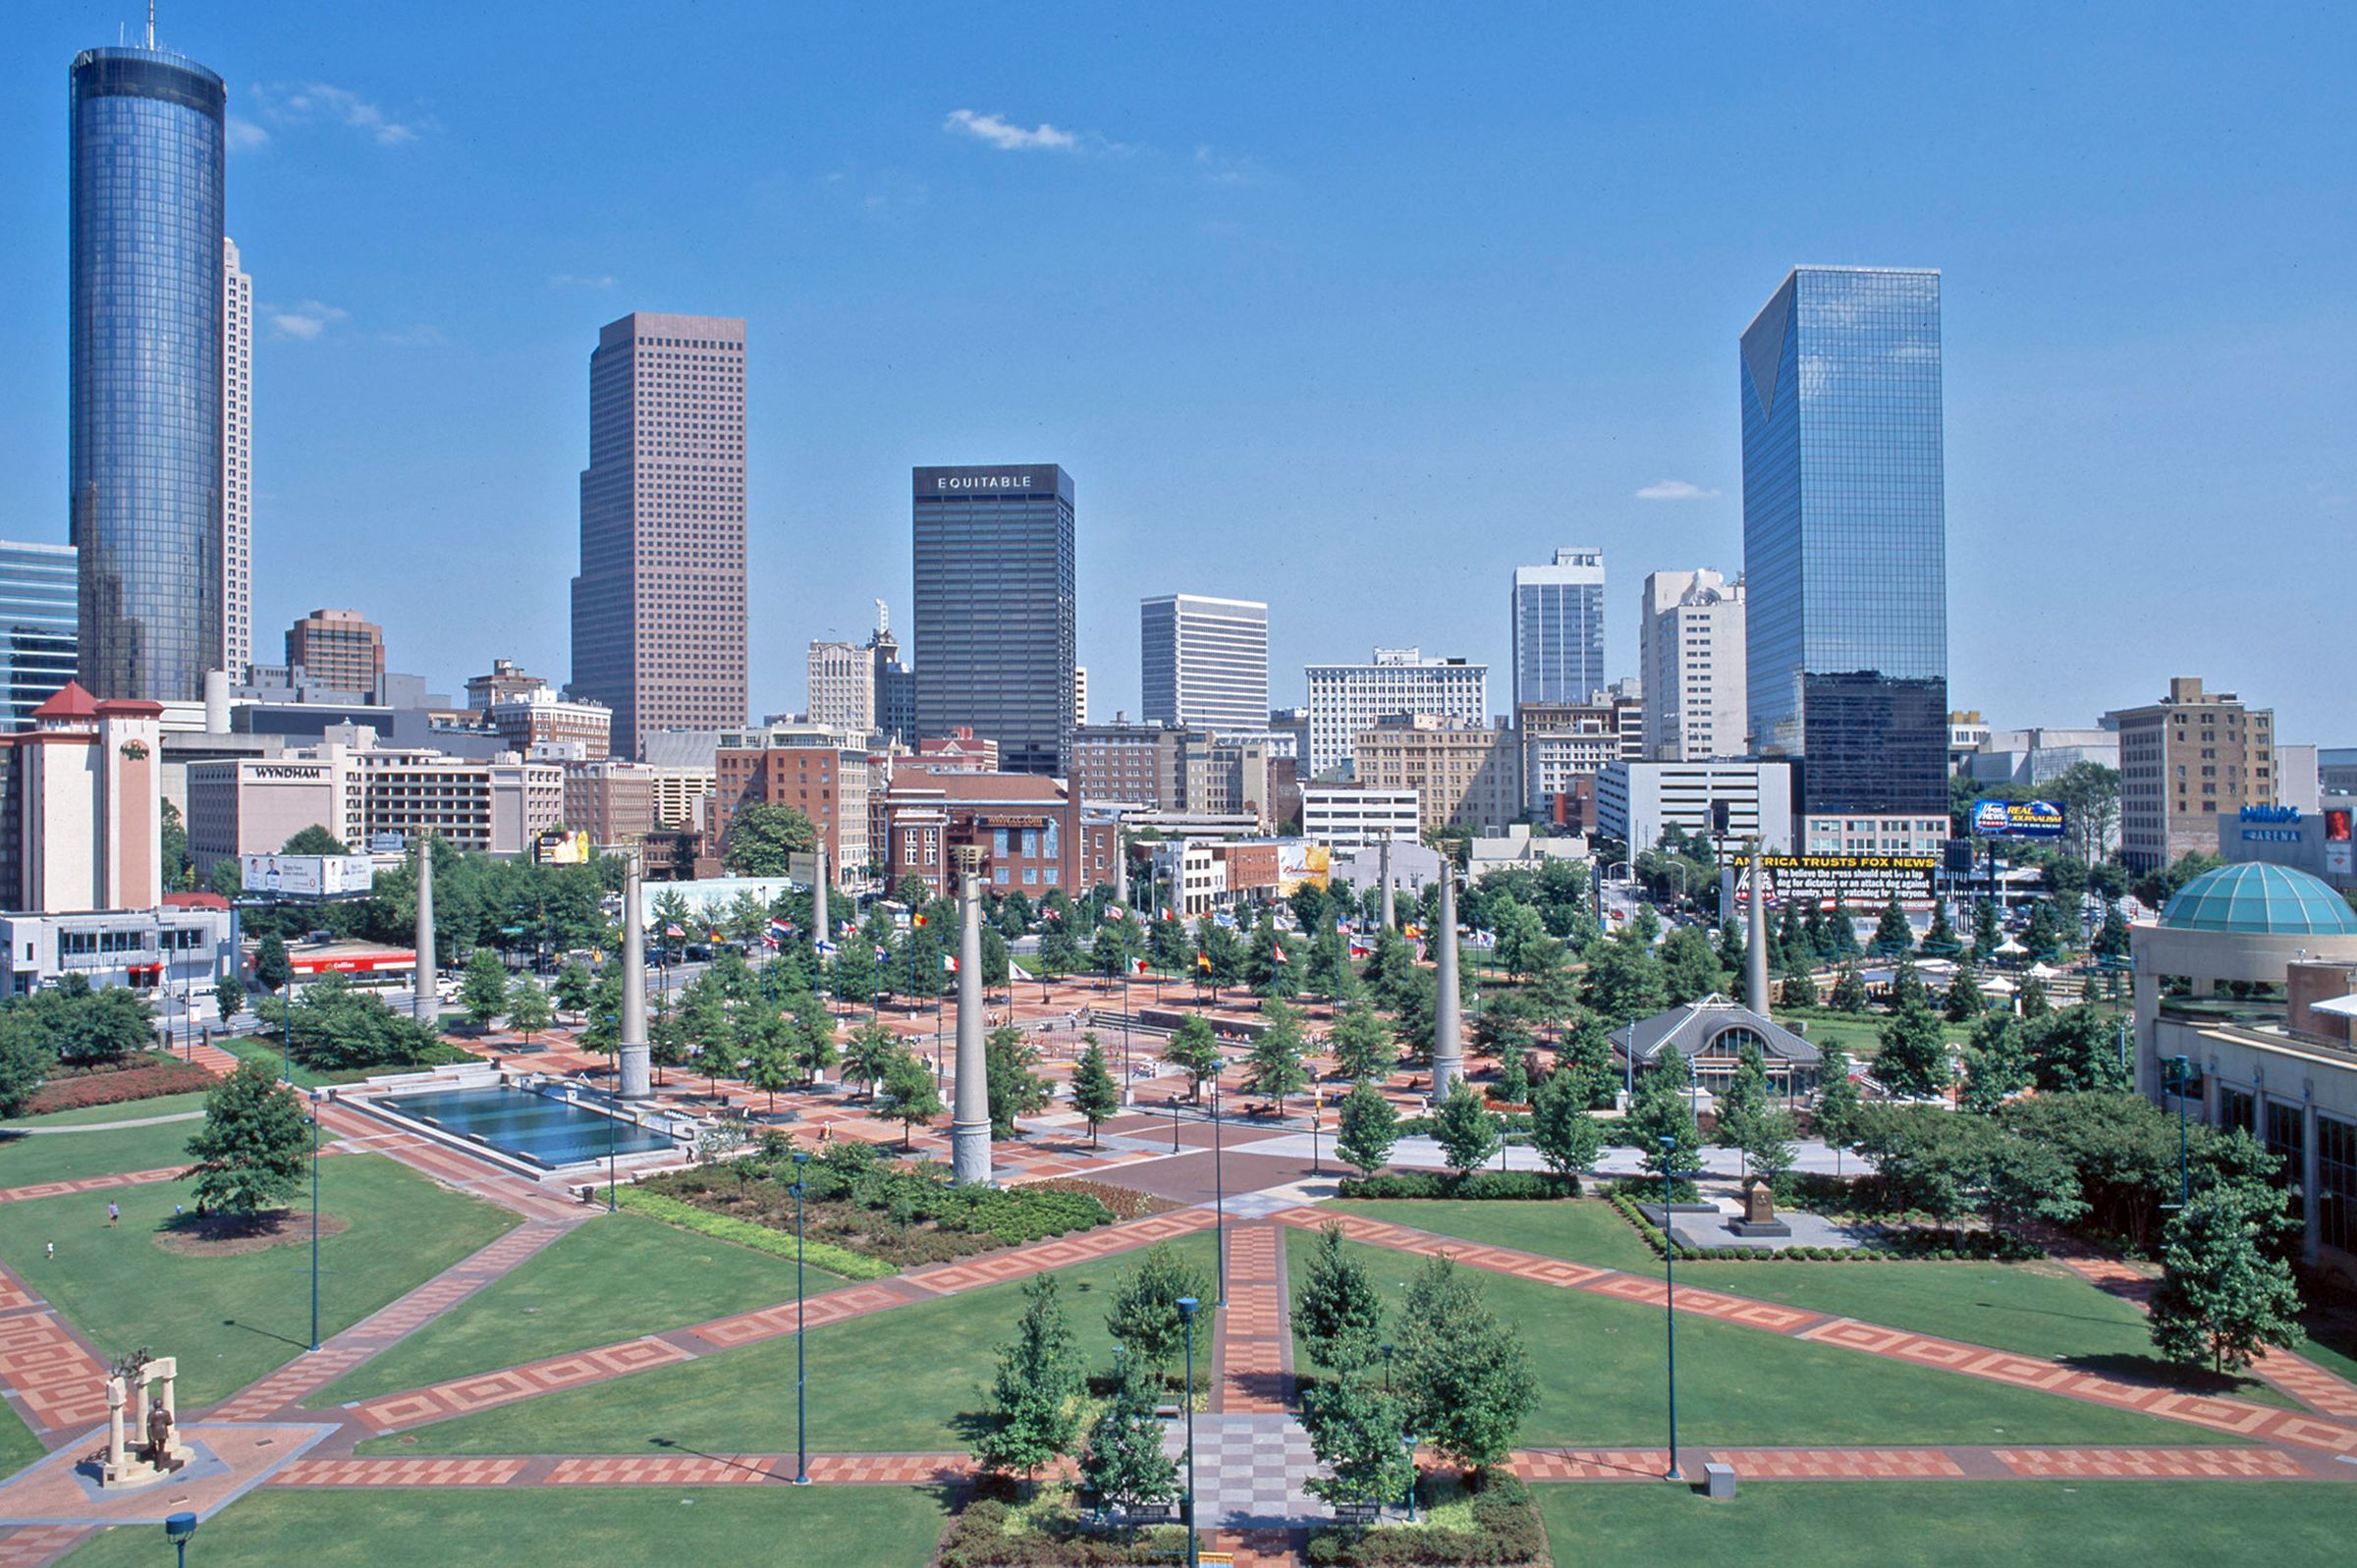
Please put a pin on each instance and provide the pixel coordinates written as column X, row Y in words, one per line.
column 1340, row 306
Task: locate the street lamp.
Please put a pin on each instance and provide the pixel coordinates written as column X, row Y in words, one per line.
column 801, row 1366
column 178, row 1528
column 1669, row 1288
column 313, row 1118
column 1186, row 1321
column 1219, row 1187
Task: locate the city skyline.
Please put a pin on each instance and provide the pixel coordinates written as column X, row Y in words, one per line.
column 2069, row 432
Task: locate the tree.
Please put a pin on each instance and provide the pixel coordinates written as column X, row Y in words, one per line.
column 2078, row 1049
column 1837, row 1101
column 2031, row 999
column 2089, row 795
column 270, row 965
column 809, row 1036
column 765, row 1053
column 574, row 987
column 1124, row 1465
column 1624, row 980
column 1466, row 1130
column 1964, row 1002
column 1941, row 940
column 25, row 1060
column 1798, row 989
column 1095, row 1094
column 2112, row 940
column 1355, row 1431
column 1689, row 968
column 1662, row 1108
column 1275, row 1066
column 1987, row 934
column 762, row 840
column 1366, row 1127
column 314, row 841
column 1745, row 1099
column 1014, row 1088
column 1362, row 1046
column 1562, row 1132
column 1767, row 1143
column 1337, row 1310
column 250, row 1155
column 1850, row 991
column 1036, row 1395
column 1892, row 932
column 1913, row 1059
column 869, row 1055
column 1194, row 1051
column 1463, row 1377
column 528, row 1010
column 2226, row 1295
column 1997, row 1062
column 1907, row 989
column 2043, row 936
column 1512, row 1087
column 483, row 992
column 1144, row 1319
column 229, row 996
column 906, row 1093
column 1587, row 1057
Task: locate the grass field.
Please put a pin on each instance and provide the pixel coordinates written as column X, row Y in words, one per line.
column 615, row 1277
column 898, row 1381
column 1599, row 1368
column 69, row 1157
column 2033, row 1309
column 230, row 1319
column 19, row 1448
column 1949, row 1523
column 130, row 1111
column 841, row 1527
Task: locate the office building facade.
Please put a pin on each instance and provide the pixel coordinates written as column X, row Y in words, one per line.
column 146, row 422
column 1559, row 628
column 1636, row 802
column 2184, row 762
column 1204, row 661
column 1846, row 552
column 658, row 610
column 1346, row 699
column 1463, row 774
column 339, row 649
column 237, row 465
column 997, row 591
column 1690, row 654
column 842, row 686
column 819, row 771
column 39, row 596
column 1345, row 815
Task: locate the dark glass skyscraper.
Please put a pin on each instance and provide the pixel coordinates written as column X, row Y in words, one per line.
column 37, row 614
column 1845, row 543
column 144, row 460
column 996, row 637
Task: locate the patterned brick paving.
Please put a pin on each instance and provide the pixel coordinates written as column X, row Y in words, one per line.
column 1839, row 1464
column 61, row 1189
column 1590, row 1464
column 58, row 1385
column 399, row 1473
column 2308, row 1382
column 2155, row 1464
column 468, row 1394
column 1254, row 1330
column 34, row 1545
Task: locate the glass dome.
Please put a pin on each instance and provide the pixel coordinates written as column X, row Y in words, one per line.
column 2260, row 900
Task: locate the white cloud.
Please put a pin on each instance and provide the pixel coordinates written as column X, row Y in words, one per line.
column 1221, row 169
column 576, row 280
column 244, row 135
column 307, row 321
column 1674, row 489
column 293, row 103
column 1007, row 137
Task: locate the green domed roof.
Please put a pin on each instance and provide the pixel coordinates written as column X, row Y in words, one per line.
column 2258, row 900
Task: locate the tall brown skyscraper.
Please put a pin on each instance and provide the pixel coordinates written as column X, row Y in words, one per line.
column 658, row 610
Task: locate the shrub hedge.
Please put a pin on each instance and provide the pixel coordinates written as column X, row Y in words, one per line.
column 1505, row 1530
column 744, row 1233
column 979, row 1538
column 154, row 1076
column 1473, row 1184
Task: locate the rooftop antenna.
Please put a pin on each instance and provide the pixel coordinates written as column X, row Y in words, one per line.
column 150, row 23
column 883, row 616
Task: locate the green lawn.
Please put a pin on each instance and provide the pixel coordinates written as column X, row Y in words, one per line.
column 231, row 1320
column 2032, row 1309
column 901, row 1381
column 613, row 1278
column 130, row 1111
column 841, row 1527
column 1949, row 1523
column 1599, row 1364
column 68, row 1156
column 19, row 1448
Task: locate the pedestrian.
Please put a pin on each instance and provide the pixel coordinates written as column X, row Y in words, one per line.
column 114, row 1213
column 53, row 1252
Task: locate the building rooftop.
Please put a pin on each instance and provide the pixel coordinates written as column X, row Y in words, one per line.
column 2260, row 899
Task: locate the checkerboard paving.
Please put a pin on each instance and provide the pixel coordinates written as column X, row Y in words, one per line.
column 399, row 1473
column 34, row 1545
column 2156, row 1464
column 1249, row 1470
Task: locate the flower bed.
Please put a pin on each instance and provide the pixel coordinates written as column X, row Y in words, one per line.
column 141, row 1077
column 988, row 1534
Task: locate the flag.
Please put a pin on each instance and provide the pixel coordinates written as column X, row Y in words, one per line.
column 949, row 963
column 917, row 919
column 782, row 927
column 1359, row 949
column 1114, row 911
column 882, row 956
column 1137, row 966
column 825, row 947
column 1221, row 918
column 1203, row 963
column 1413, row 931
column 1419, row 953
column 673, row 930
column 713, row 935
column 1166, row 914
column 1279, row 952
column 770, row 939
column 1049, row 912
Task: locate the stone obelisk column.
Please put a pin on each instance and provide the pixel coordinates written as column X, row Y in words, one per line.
column 1382, row 869
column 1755, row 940
column 1120, row 869
column 635, row 1063
column 1447, row 1025
column 818, row 908
column 427, row 1004
column 969, row 1114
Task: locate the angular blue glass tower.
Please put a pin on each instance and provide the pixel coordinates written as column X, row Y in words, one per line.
column 144, row 344
column 1845, row 543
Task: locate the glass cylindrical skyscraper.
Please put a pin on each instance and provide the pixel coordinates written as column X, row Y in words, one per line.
column 146, row 431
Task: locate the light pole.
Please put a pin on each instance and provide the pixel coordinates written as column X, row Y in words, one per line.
column 178, row 1528
column 801, row 1366
column 1670, row 1290
column 1186, row 1323
column 1316, row 1104
column 613, row 1139
column 315, row 1121
column 1219, row 1188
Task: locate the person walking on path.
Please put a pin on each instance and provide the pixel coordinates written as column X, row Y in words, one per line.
column 114, row 1214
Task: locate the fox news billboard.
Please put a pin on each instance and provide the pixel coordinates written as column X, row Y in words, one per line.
column 1865, row 883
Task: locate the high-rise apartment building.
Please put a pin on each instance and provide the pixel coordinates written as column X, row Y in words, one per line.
column 146, row 423
column 1846, row 553
column 338, row 648
column 843, row 686
column 37, row 598
column 1690, row 655
column 2185, row 761
column 1559, row 629
column 1346, row 700
column 1204, row 661
column 658, row 610
column 996, row 609
column 237, row 465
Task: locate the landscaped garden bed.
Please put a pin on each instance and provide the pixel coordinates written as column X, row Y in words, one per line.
column 1893, row 1242
column 1472, row 1184
column 118, row 1080
column 901, row 1215
column 1496, row 1525
column 996, row 1531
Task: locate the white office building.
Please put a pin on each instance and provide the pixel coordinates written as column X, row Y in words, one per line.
column 1691, row 637
column 1204, row 661
column 1559, row 628
column 1636, row 801
column 843, row 686
column 1347, row 699
column 1345, row 815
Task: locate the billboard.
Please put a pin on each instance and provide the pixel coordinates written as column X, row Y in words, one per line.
column 2339, row 859
column 306, row 876
column 562, row 849
column 1865, row 883
column 1301, row 861
column 2016, row 819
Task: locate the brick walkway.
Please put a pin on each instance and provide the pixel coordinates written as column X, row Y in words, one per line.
column 57, row 1385
column 64, row 1189
column 1253, row 1372
column 2239, row 1417
column 34, row 1545
column 1956, row 1463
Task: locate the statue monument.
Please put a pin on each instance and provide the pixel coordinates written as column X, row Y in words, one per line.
column 143, row 1441
column 969, row 1113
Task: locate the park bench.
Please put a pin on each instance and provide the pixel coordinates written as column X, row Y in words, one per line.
column 1357, row 1513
